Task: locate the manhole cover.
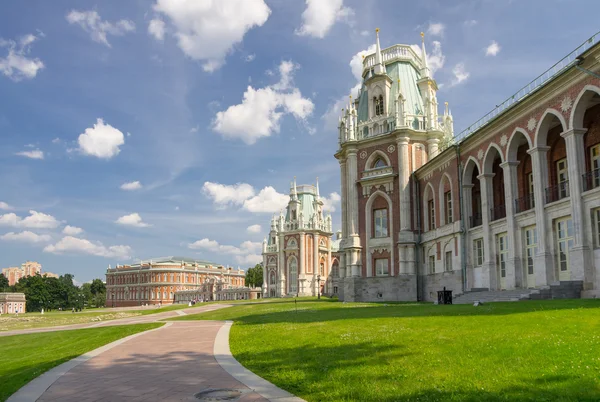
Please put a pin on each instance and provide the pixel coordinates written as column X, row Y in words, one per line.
column 219, row 395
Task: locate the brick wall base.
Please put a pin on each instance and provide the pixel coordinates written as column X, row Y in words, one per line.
column 393, row 288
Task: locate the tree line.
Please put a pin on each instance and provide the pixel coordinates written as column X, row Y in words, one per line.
column 254, row 276
column 57, row 293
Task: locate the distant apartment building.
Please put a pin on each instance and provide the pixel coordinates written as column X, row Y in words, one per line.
column 28, row 268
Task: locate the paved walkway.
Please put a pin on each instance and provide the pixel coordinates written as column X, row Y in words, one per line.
column 171, row 363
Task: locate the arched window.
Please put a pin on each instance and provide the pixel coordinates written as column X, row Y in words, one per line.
column 272, row 278
column 292, row 243
column 380, row 105
column 293, row 267
column 379, row 163
column 322, row 269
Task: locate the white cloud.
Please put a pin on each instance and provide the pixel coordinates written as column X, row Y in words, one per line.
column 268, row 200
column 460, row 74
column 35, row 154
column 91, row 22
column 319, row 17
column 253, row 229
column 470, row 23
column 261, row 109
column 134, row 185
column 5, row 206
column 26, row 236
column 250, row 58
column 331, row 202
column 223, row 195
column 156, row 28
column 334, row 111
column 133, row 219
column 436, row 29
column 56, row 140
column 35, row 220
column 364, row 33
column 435, row 57
column 17, row 65
column 208, row 30
column 72, row 230
column 493, row 49
column 102, row 140
column 83, row 246
column 246, row 253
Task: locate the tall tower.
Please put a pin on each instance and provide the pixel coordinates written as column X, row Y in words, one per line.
column 391, row 130
column 298, row 254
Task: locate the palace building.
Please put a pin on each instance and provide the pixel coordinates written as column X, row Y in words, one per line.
column 300, row 256
column 157, row 281
column 511, row 203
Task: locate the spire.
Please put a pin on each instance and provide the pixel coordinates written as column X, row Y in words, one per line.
column 294, row 192
column 379, row 69
column 425, row 71
column 446, row 110
column 318, row 196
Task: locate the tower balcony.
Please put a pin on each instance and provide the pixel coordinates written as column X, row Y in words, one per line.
column 392, row 54
column 272, row 248
column 382, row 125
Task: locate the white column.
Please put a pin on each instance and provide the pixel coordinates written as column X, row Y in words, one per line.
column 344, row 206
column 544, row 263
column 403, row 183
column 514, row 274
column 353, row 245
column 581, row 259
column 433, row 148
column 281, row 267
column 315, row 263
column 489, row 264
column 301, row 253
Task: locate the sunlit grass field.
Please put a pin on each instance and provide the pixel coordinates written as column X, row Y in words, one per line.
column 332, row 351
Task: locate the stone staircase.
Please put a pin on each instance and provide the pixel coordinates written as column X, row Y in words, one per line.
column 556, row 290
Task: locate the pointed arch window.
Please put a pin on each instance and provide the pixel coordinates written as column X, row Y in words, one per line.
column 379, row 163
column 378, row 102
column 293, row 265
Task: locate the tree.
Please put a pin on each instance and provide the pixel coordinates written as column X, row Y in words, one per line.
column 98, row 286
column 3, row 283
column 254, row 276
column 36, row 293
column 88, row 296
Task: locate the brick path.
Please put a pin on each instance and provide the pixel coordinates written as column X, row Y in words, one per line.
column 169, row 364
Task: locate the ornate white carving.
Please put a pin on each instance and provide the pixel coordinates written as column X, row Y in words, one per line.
column 503, row 140
column 363, row 155
column 480, row 154
column 391, row 149
column 531, row 123
column 566, row 104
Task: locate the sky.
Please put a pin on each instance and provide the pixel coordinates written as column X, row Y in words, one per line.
column 148, row 128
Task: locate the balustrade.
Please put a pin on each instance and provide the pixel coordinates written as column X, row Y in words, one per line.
column 557, row 192
column 524, row 203
column 591, row 179
column 498, row 212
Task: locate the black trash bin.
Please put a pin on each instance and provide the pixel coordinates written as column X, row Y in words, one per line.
column 444, row 296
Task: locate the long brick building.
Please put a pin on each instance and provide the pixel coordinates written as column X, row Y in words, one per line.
column 157, row 281
column 512, row 202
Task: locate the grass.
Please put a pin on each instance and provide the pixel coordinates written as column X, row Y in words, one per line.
column 59, row 318
column 332, row 351
column 25, row 357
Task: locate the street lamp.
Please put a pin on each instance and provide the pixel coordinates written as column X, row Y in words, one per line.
column 319, row 287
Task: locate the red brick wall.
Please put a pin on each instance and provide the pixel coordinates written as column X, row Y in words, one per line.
column 591, row 121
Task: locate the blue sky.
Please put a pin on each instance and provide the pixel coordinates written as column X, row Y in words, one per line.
column 141, row 129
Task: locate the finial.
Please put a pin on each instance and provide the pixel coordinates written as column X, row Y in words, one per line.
column 376, row 30
column 363, row 56
column 350, row 96
column 422, row 36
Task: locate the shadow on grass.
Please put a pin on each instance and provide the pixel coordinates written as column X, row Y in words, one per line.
column 367, row 372
column 313, row 311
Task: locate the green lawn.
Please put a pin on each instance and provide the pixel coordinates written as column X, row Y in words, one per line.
column 25, row 357
column 332, row 351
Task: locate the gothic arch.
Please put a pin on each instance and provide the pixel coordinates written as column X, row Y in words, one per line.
column 369, row 225
column 442, row 200
column 581, row 104
column 515, row 141
column 468, row 170
column 543, row 126
column 428, row 193
column 488, row 159
column 377, row 154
